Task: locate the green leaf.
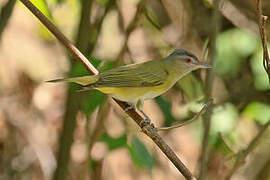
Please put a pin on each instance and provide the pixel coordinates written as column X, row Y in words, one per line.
column 223, row 118
column 43, row 7
column 43, row 31
column 258, row 111
column 114, row 143
column 79, row 70
column 91, row 100
column 59, row 1
column 261, row 81
column 141, row 157
column 166, row 109
column 104, row 1
column 106, row 66
column 191, row 86
column 233, row 46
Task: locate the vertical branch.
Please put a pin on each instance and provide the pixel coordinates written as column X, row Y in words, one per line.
column 66, row 137
column 129, row 30
column 96, row 27
column 208, row 90
column 72, row 107
column 83, row 35
column 262, row 27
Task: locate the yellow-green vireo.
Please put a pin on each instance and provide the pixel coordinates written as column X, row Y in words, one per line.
column 135, row 83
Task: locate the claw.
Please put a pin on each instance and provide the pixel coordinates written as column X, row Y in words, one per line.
column 146, row 121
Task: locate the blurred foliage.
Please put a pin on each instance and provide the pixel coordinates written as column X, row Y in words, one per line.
column 43, row 7
column 137, row 149
column 233, row 47
column 43, row 31
column 166, row 109
column 261, row 81
column 140, row 154
column 257, row 111
column 114, row 143
column 223, row 120
column 192, row 87
column 91, row 101
column 93, row 98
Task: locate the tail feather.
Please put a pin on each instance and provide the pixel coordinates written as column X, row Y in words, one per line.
column 83, row 80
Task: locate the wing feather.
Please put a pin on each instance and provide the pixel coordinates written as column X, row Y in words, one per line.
column 136, row 75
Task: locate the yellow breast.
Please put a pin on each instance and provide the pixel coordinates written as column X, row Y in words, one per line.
column 133, row 94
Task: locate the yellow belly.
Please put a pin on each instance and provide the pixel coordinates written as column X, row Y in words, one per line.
column 133, row 94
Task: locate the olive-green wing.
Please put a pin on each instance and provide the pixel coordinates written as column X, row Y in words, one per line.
column 135, row 75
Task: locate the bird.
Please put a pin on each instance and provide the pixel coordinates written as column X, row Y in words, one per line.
column 135, row 83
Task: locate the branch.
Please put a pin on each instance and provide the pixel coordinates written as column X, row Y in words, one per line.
column 202, row 111
column 84, row 26
column 132, row 25
column 226, row 143
column 262, row 27
column 148, row 129
column 216, row 19
column 96, row 27
column 69, row 121
column 241, row 155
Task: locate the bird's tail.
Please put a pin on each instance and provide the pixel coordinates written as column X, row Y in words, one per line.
column 82, row 80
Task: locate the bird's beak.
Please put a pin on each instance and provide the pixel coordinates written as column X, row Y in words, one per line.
column 203, row 65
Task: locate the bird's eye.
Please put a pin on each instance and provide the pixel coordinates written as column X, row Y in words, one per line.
column 188, row 60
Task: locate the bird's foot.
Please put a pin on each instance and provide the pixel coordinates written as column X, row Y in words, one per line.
column 146, row 121
column 130, row 106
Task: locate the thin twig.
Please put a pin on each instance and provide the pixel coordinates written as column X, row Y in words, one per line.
column 132, row 25
column 241, row 155
column 216, row 19
column 262, row 27
column 102, row 114
column 226, row 143
column 156, row 25
column 202, row 111
column 148, row 129
column 96, row 27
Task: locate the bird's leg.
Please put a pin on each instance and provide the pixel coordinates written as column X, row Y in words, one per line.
column 147, row 119
column 130, row 106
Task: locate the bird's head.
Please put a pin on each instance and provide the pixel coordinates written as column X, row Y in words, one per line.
column 185, row 59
